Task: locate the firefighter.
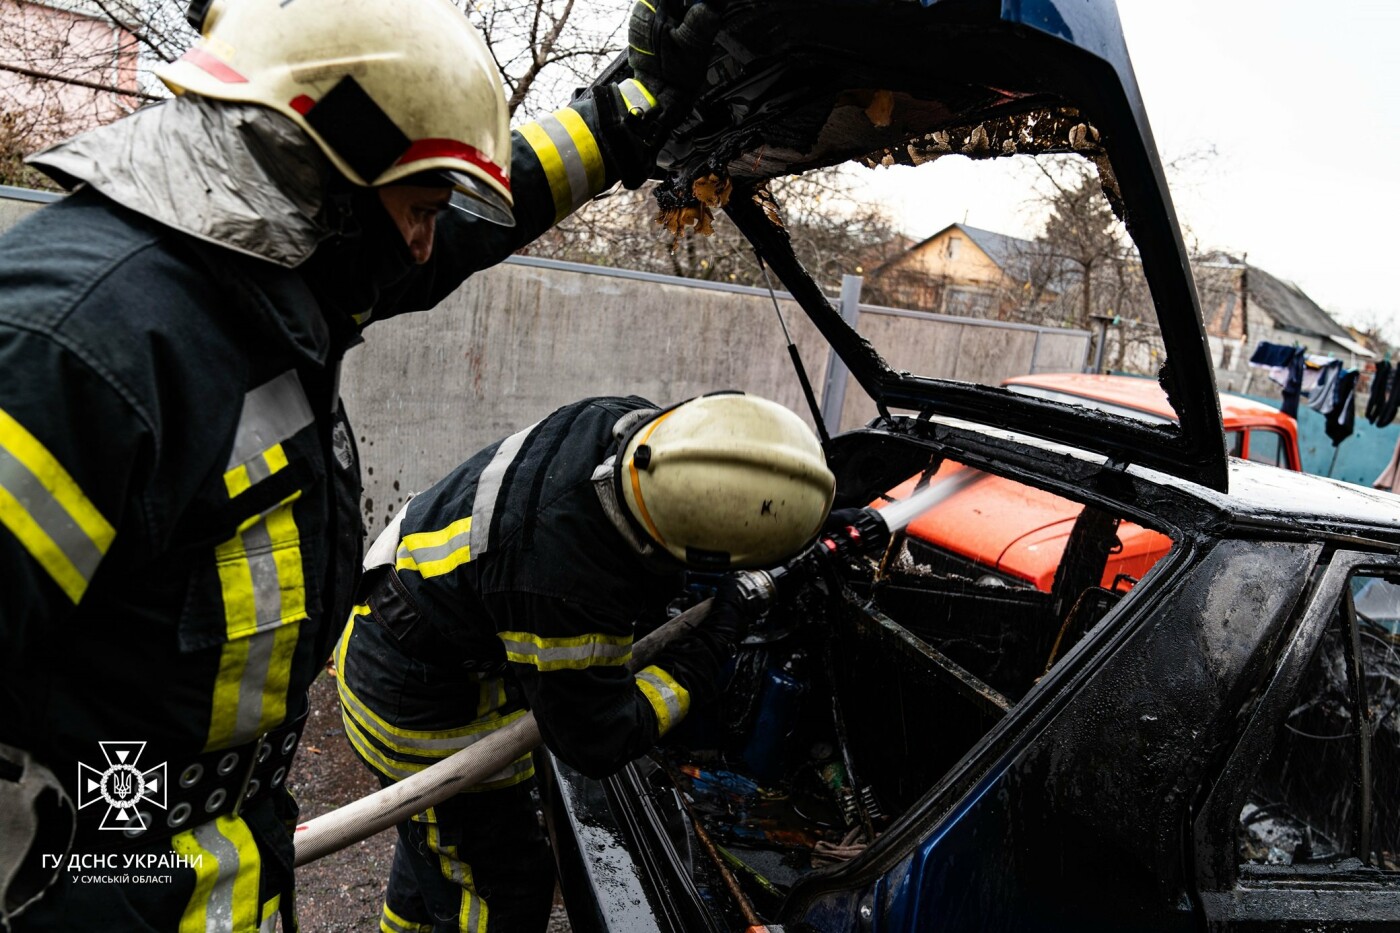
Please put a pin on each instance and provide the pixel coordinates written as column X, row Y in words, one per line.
column 514, row 583
column 179, row 488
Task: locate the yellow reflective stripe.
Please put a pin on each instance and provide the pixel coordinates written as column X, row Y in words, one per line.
column 264, row 596
column 636, row 96
column 588, row 150
column 416, row 741
column 246, row 475
column 570, row 157
column 669, row 700
column 286, row 556
column 391, row 922
column 226, row 866
column 575, row 652
column 269, row 915
column 44, row 508
column 553, row 165
column 471, row 915
column 278, row 678
column 260, row 571
column 434, row 553
column 236, row 481
column 223, row 713
column 518, row 771
column 275, row 457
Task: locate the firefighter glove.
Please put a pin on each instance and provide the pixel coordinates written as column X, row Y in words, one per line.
column 668, row 47
column 730, row 615
column 697, row 658
column 668, row 52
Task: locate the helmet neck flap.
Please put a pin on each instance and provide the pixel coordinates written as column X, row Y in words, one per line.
column 237, row 175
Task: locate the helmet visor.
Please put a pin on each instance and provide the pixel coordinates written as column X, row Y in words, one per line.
column 478, row 199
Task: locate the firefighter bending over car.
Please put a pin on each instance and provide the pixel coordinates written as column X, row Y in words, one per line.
column 514, row 583
column 179, row 488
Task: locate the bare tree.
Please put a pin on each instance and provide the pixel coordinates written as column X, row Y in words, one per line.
column 834, row 232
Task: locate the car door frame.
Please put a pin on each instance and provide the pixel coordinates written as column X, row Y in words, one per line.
column 1306, row 897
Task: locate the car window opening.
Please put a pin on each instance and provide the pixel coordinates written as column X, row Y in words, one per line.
column 1329, row 794
column 841, row 714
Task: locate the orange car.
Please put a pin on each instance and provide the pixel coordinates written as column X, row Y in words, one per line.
column 1015, row 535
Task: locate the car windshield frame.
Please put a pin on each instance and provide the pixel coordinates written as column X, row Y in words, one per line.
column 1070, row 71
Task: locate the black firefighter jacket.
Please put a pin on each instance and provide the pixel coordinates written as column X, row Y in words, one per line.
column 511, row 587
column 179, row 505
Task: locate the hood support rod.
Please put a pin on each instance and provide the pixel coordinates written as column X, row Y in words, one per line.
column 796, row 358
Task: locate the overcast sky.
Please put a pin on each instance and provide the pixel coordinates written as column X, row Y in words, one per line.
column 1301, row 102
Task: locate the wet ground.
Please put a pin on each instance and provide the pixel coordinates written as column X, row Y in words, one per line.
column 342, row 891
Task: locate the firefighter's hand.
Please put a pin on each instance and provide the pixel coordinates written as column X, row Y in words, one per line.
column 668, row 47
column 729, row 618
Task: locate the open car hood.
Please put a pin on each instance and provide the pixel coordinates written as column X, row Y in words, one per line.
column 801, row 84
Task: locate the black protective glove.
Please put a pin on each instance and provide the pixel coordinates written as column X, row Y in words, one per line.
column 668, row 52
column 856, row 531
column 697, row 658
column 668, row 47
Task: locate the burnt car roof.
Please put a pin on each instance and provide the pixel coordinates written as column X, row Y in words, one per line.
column 982, row 78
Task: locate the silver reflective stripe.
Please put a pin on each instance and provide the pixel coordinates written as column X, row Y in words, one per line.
column 262, row 568
column 674, row 708
column 522, row 650
column 410, row 745
column 426, row 555
column 219, row 907
column 574, row 168
column 272, row 413
column 269, row 924
column 250, row 688
column 633, row 96
column 488, row 489
column 258, row 470
column 49, row 515
column 474, row 914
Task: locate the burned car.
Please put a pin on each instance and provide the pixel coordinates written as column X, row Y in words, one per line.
column 909, row 746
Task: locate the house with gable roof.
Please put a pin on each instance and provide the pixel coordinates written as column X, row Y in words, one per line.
column 1242, row 305
column 968, row 272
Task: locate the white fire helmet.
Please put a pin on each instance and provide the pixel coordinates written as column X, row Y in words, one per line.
column 727, row 481
column 391, row 90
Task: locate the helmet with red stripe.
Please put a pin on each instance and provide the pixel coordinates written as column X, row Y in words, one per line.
column 393, row 91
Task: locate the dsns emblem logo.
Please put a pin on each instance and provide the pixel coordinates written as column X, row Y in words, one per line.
column 122, row 785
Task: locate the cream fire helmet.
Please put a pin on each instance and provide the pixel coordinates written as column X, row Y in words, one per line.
column 727, row 481
column 387, row 88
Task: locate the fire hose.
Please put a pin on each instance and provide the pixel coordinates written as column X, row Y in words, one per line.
column 868, row 530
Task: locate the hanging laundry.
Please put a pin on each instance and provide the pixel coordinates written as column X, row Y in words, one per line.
column 1341, row 419
column 1324, row 396
column 1297, row 365
column 1392, row 402
column 1272, row 355
column 1376, row 403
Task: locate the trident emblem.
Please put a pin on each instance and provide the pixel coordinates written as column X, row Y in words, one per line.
column 122, row 785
